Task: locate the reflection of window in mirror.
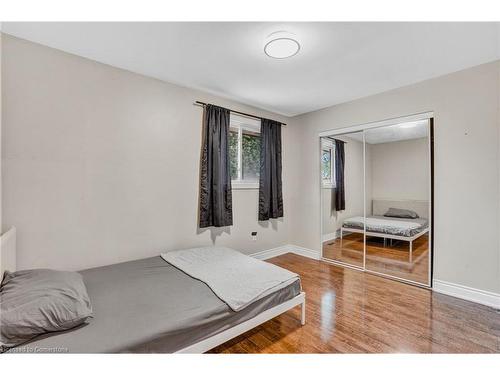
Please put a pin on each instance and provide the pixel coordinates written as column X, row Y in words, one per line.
column 327, row 163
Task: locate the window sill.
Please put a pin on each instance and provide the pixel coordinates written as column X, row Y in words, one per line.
column 244, row 185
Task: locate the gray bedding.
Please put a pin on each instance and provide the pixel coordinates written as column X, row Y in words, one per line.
column 388, row 228
column 149, row 306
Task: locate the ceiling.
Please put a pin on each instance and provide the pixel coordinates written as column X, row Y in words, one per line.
column 393, row 133
column 337, row 62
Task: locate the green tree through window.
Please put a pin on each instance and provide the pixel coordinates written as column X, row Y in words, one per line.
column 233, row 154
column 244, row 151
column 251, row 156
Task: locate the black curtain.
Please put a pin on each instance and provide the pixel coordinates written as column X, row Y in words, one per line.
column 216, row 207
column 270, row 188
column 338, row 201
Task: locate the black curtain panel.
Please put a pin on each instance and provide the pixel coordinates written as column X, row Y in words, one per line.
column 338, row 201
column 216, row 207
column 270, row 187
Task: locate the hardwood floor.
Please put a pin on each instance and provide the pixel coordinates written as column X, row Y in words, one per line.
column 390, row 259
column 349, row 311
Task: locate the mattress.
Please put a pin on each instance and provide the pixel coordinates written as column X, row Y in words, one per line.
column 149, row 306
column 388, row 225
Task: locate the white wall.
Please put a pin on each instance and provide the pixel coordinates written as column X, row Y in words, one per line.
column 466, row 107
column 1, row 90
column 400, row 170
column 101, row 165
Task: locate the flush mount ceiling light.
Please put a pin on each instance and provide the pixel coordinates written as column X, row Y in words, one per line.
column 281, row 45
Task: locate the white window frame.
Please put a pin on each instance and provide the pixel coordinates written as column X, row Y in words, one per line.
column 243, row 123
column 327, row 145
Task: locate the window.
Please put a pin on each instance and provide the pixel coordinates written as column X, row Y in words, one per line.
column 244, row 152
column 327, row 164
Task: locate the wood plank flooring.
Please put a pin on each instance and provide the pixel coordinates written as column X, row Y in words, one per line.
column 349, row 311
column 390, row 259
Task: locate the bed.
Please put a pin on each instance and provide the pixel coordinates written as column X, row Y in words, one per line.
column 150, row 306
column 392, row 228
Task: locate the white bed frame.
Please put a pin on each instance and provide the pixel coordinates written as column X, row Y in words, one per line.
column 8, row 263
column 8, row 251
column 228, row 334
column 385, row 236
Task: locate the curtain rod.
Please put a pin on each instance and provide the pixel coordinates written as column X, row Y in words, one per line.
column 238, row 112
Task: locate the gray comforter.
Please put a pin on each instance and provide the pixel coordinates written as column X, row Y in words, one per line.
column 149, row 306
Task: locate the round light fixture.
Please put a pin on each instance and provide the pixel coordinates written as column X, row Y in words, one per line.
column 281, row 45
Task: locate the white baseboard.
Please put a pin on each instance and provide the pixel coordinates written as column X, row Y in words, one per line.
column 271, row 253
column 329, row 236
column 464, row 292
column 302, row 251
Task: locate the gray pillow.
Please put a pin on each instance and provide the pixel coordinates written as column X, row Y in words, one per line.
column 401, row 213
column 34, row 302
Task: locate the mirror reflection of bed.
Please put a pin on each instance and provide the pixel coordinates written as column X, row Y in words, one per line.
column 387, row 191
column 394, row 246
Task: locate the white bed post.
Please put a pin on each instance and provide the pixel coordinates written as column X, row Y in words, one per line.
column 226, row 335
column 8, row 252
column 303, row 313
column 411, row 251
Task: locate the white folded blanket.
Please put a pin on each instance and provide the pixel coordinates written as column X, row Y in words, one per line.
column 235, row 278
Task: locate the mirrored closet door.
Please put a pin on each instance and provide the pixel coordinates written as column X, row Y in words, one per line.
column 376, row 199
column 397, row 201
